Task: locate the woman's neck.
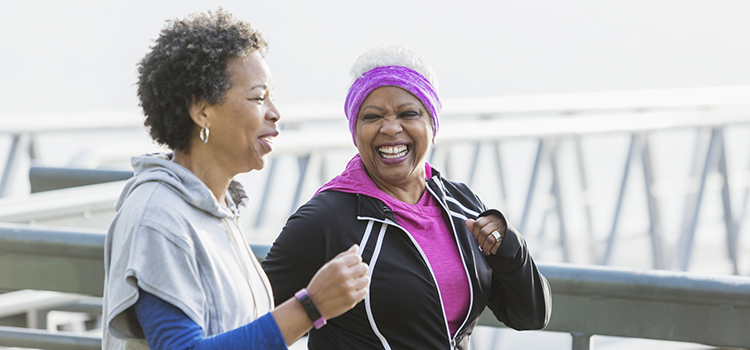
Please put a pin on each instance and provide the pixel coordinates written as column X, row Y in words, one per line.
column 410, row 191
column 202, row 166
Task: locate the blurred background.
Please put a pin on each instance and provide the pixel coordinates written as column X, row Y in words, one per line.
column 612, row 133
column 81, row 55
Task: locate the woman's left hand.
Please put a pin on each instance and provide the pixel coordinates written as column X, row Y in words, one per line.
column 488, row 231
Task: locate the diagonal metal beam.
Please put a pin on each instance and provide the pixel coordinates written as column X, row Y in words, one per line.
column 685, row 244
column 541, row 149
column 726, row 203
column 556, row 191
column 655, row 228
column 620, row 198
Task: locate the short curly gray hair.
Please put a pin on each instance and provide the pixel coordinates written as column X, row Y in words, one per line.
column 392, row 55
column 188, row 63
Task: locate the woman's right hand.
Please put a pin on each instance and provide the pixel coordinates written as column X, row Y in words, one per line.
column 340, row 284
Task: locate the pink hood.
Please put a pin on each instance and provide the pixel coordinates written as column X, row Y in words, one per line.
column 354, row 179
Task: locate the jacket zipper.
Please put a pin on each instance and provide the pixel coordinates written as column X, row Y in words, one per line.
column 237, row 241
column 391, row 221
column 466, row 269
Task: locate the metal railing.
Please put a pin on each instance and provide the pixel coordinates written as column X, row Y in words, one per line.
column 549, row 133
column 88, row 206
column 587, row 300
column 558, row 126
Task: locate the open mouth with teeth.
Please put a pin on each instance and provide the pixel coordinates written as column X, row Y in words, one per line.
column 393, row 152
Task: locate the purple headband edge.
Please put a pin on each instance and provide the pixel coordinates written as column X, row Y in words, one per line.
column 393, row 75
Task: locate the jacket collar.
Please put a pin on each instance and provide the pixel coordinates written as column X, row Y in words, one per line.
column 370, row 207
column 435, row 185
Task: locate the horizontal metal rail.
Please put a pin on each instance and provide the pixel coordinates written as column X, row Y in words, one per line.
column 652, row 304
column 74, row 201
column 70, row 261
column 40, row 339
column 586, row 300
column 18, row 302
column 55, row 178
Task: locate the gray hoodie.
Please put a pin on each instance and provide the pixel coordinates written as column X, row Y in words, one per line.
column 173, row 239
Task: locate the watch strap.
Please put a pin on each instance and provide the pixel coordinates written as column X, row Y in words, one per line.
column 310, row 308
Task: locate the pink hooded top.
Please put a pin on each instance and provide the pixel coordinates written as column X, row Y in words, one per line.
column 426, row 223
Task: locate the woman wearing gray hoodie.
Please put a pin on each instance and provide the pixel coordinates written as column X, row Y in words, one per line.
column 179, row 274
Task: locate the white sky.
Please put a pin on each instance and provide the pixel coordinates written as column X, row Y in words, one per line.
column 81, row 55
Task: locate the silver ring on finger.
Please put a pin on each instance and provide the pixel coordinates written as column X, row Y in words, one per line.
column 496, row 235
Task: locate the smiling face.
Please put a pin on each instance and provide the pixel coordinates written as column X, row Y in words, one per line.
column 393, row 133
column 243, row 124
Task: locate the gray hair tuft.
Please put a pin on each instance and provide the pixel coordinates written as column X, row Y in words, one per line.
column 392, row 55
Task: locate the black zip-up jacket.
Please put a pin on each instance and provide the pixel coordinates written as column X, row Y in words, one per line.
column 403, row 309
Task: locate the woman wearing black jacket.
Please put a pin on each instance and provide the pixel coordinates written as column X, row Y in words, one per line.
column 437, row 255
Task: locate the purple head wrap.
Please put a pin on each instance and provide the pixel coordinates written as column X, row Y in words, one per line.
column 399, row 76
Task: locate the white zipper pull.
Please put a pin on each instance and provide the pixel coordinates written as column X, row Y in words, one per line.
column 453, row 343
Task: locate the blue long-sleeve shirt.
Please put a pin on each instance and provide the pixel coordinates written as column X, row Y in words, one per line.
column 167, row 327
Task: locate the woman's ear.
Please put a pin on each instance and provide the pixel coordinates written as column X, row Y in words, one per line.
column 197, row 111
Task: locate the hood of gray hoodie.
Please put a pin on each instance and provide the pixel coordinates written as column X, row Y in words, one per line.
column 159, row 167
